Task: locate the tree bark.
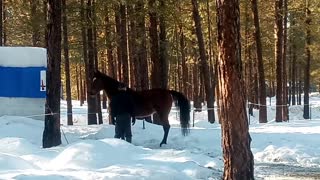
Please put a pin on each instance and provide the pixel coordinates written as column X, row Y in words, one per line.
column 104, row 95
column 90, row 66
column 294, row 67
column 300, row 84
column 51, row 134
column 262, row 84
column 238, row 158
column 123, row 44
column 141, row 45
column 154, row 45
column 278, row 56
column 82, row 94
column 132, row 43
column 248, row 67
column 285, row 111
column 96, row 60
column 163, row 54
column 306, row 105
column 77, row 82
column 183, row 63
column 118, row 44
column 111, row 67
column 211, row 56
column 205, row 73
column 196, row 87
column 255, row 81
column 289, row 79
column 66, row 64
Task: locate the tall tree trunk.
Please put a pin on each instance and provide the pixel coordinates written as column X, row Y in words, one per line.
column 163, row 54
column 196, row 87
column 248, row 67
column 141, row 45
column 285, row 111
column 300, row 84
column 85, row 52
column 111, row 67
column 262, row 84
column 251, row 80
column 289, row 79
column 118, row 40
column 211, row 51
column 278, row 56
column 238, row 158
column 104, row 95
column 51, row 134
column 96, row 60
column 123, row 44
column 91, row 100
column 81, row 86
column 77, row 82
column 36, row 36
column 183, row 63
column 205, row 73
column 255, row 81
column 112, row 70
column 154, row 45
column 66, row 64
column 132, row 43
column 294, row 66
column 306, row 88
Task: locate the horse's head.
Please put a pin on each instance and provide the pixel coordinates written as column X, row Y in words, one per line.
column 101, row 81
column 97, row 84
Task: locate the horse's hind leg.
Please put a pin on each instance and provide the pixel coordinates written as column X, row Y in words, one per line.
column 166, row 128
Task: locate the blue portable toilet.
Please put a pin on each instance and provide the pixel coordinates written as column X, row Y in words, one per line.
column 23, row 81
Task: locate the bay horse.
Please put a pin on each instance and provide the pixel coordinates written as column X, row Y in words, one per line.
column 147, row 102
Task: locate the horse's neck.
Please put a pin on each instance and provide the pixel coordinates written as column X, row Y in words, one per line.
column 109, row 92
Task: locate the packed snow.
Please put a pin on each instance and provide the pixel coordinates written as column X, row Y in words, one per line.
column 289, row 150
column 23, row 57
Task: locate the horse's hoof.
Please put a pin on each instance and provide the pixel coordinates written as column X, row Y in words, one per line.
column 162, row 143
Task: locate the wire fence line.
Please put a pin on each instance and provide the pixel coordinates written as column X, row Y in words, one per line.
column 174, row 109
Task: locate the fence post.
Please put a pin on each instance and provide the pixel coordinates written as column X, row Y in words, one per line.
column 193, row 112
column 310, row 111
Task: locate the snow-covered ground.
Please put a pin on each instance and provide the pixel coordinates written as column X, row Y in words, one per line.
column 289, row 150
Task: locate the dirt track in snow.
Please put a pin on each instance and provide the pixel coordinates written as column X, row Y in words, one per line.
column 286, row 172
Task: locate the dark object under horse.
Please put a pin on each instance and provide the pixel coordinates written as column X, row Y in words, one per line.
column 148, row 102
column 122, row 110
column 122, row 124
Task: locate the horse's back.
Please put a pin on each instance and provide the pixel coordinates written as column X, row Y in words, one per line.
column 158, row 99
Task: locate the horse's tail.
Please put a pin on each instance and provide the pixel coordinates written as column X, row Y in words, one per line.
column 184, row 106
